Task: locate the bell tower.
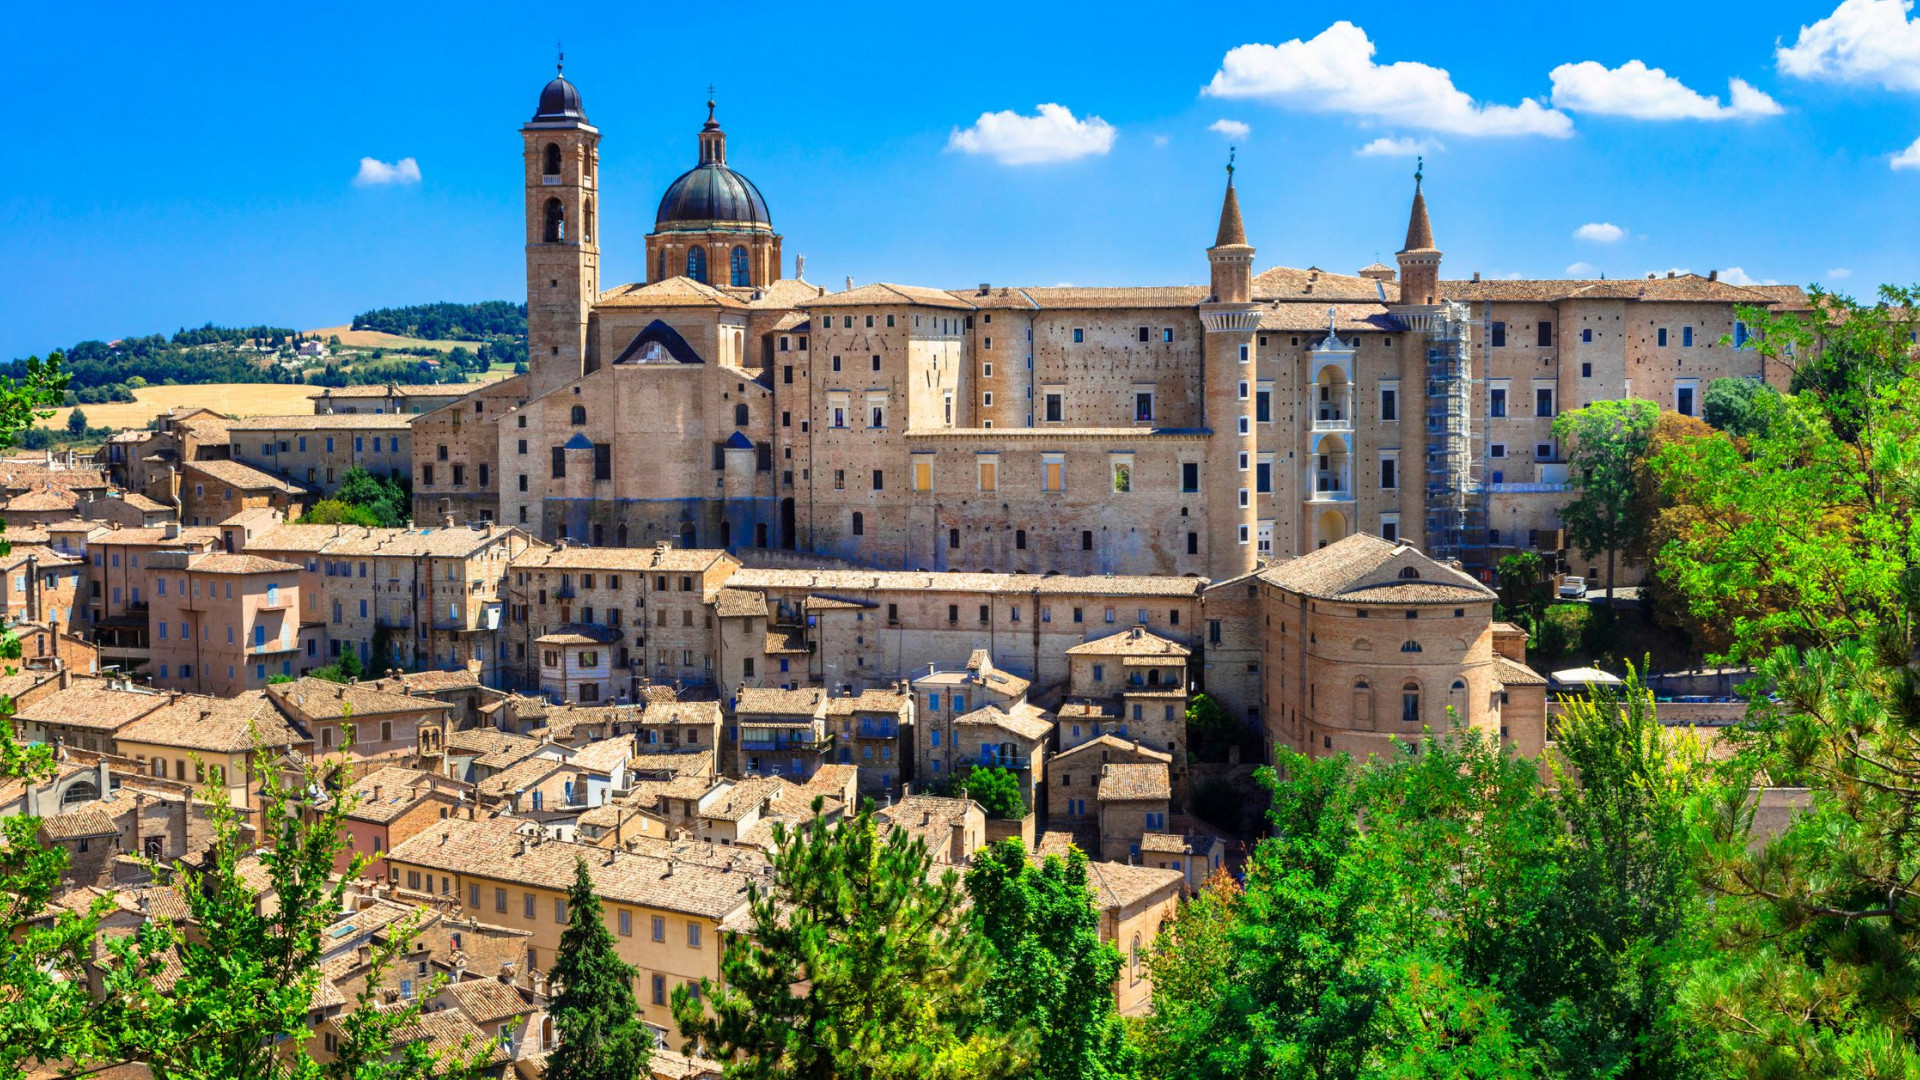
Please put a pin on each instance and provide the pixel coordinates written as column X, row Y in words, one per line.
column 563, row 244
column 1230, row 319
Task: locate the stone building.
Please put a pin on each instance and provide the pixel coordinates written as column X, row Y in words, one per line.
column 222, row 624
column 214, row 490
column 1201, row 429
column 318, row 450
column 387, row 398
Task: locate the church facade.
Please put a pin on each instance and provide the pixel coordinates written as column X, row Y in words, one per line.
column 1198, row 429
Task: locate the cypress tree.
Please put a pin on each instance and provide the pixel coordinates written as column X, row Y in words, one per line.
column 601, row 1036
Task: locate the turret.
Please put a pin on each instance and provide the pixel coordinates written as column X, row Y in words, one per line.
column 1230, row 319
column 1419, row 259
column 562, row 152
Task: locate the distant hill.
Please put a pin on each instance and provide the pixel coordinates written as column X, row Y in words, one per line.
column 449, row 322
column 103, row 371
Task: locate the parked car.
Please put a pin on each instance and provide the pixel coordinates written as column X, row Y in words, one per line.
column 1573, row 588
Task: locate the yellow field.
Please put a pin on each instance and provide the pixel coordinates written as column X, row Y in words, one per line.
column 374, row 339
column 235, row 399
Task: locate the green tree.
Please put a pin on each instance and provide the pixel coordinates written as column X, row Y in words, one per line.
column 336, row 512
column 387, row 499
column 1804, row 533
column 349, row 663
column 77, row 423
column 1739, row 406
column 1520, row 576
column 1051, row 973
column 860, row 963
column 1186, row 965
column 601, row 1036
column 997, row 790
column 1607, row 439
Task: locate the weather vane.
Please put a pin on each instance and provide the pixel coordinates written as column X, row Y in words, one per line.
column 1230, row 152
column 1419, row 168
column 560, row 64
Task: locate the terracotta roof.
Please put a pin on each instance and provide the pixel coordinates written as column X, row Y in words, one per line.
column 488, row 1001
column 770, row 701
column 1133, row 296
column 740, row 603
column 1112, row 745
column 603, row 756
column 427, row 682
column 672, row 292
column 244, row 477
column 1134, row 641
column 307, row 539
column 1310, row 319
column 1028, row 721
column 997, row 299
column 636, row 560
column 319, row 699
column 381, row 390
column 738, row 799
column 93, row 704
column 1321, row 287
column 830, row 603
column 488, row 741
column 856, row 581
column 222, row 563
column 701, row 713
column 929, row 817
column 1120, row 885
column 778, row 641
column 673, row 761
column 1679, row 288
column 1514, row 674
column 784, row 293
column 1134, row 783
column 1364, row 569
column 189, row 537
column 440, row 542
column 1176, row 844
column 520, row 776
column 87, row 821
column 225, row 725
column 449, row 1034
column 1090, row 710
column 580, row 634
column 493, row 849
column 399, row 790
column 868, row 701
column 323, row 422
column 884, row 295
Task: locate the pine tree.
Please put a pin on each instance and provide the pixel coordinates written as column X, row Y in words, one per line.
column 601, row 1036
column 891, row 974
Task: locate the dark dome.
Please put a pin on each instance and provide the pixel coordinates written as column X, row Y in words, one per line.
column 560, row 101
column 711, row 192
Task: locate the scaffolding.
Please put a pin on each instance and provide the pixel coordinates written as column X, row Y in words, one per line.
column 1455, row 497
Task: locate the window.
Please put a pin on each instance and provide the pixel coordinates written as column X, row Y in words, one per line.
column 923, row 472
column 879, row 480
column 859, row 524
column 1586, row 371
column 1497, row 450
column 559, row 462
column 697, row 263
column 1055, row 406
column 737, row 265
column 659, row 928
column 1123, row 474
column 1389, row 403
column 1410, row 647
column 1086, row 540
column 1497, row 400
column 1544, row 451
column 659, row 989
column 1542, row 401
column 1683, row 398
column 1079, row 335
column 989, row 473
column 1499, row 334
column 693, row 934
column 1686, row 337
column 1660, row 336
column 1545, row 335
column 1189, row 477
column 1166, row 335
column 1053, row 472
column 1143, row 405
column 1389, row 480
column 1410, row 703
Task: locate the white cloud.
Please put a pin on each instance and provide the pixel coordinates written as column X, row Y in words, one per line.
column 1600, row 232
column 1639, row 92
column 1908, row 158
column 1867, row 41
column 1051, row 135
column 1839, row 273
column 1160, row 140
column 1583, row 270
column 374, row 172
column 1733, row 275
column 1232, row 129
column 1335, row 72
column 1401, row 146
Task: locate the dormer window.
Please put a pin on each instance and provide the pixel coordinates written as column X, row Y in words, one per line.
column 1408, row 573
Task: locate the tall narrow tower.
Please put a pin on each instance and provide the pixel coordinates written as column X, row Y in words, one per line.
column 1419, row 259
column 1230, row 319
column 563, row 243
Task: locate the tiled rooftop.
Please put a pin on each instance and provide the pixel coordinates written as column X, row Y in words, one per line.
column 1134, row 783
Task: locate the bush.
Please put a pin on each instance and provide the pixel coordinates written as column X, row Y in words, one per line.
column 996, row 790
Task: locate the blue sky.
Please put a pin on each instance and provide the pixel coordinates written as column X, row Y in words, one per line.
column 165, row 169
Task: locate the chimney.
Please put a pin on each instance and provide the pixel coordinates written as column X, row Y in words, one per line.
column 1713, row 275
column 171, row 530
column 985, row 288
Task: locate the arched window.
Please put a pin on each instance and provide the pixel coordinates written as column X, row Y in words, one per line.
column 546, row 1033
column 622, row 534
column 1408, row 573
column 688, row 536
column 78, row 792
column 697, row 263
column 586, row 225
column 1459, row 685
column 859, row 523
column 737, row 265
column 556, row 222
column 726, row 534
column 1136, row 955
column 661, row 274
column 740, row 416
column 579, row 415
column 1410, row 703
column 551, row 166
column 1410, row 646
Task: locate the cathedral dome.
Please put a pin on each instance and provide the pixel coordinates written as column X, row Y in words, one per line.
column 710, row 194
column 559, row 102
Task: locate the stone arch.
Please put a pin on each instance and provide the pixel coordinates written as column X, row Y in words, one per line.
column 550, row 160
column 556, row 222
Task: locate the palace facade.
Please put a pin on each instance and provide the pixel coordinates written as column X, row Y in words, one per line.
column 1201, row 429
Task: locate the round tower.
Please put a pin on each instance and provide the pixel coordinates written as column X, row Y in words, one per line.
column 1419, row 259
column 1230, row 318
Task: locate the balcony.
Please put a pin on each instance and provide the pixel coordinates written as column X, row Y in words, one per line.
column 394, row 622
column 995, row 760
column 878, row 731
column 565, row 592
column 1330, row 497
column 786, row 746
